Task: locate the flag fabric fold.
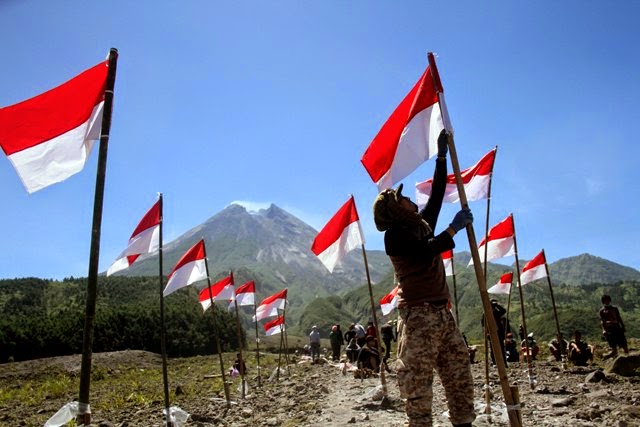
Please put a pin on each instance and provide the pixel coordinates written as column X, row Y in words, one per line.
column 476, row 181
column 408, row 138
column 389, row 301
column 246, row 294
column 447, row 260
column 219, row 291
column 534, row 269
column 189, row 269
column 145, row 239
column 503, row 286
column 500, row 240
column 269, row 306
column 49, row 137
column 275, row 326
column 340, row 235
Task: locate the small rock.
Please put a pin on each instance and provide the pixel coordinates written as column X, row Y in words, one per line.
column 565, row 401
column 352, row 420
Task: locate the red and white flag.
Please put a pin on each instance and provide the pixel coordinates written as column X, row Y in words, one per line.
column 389, row 301
column 341, row 235
column 49, row 137
column 534, row 269
column 275, row 326
column 189, row 269
column 145, row 239
column 269, row 306
column 246, row 294
column 503, row 286
column 219, row 291
column 447, row 260
column 476, row 181
column 500, row 241
column 409, row 137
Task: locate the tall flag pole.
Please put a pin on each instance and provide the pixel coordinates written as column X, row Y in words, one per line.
column 239, row 333
column 340, row 235
column 163, row 328
column 532, row 379
column 538, row 268
column 225, row 386
column 247, row 296
column 84, row 415
column 512, row 409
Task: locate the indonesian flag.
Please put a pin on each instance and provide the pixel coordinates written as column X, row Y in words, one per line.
column 145, row 239
column 49, row 137
column 341, row 235
column 276, row 326
column 534, row 269
column 409, row 137
column 476, row 181
column 503, row 286
column 189, row 269
column 447, row 260
column 389, row 301
column 246, row 294
column 220, row 291
column 500, row 241
column 269, row 306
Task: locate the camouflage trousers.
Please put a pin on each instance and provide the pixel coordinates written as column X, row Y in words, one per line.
column 430, row 341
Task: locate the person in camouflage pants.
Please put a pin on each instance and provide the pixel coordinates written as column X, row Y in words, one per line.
column 428, row 339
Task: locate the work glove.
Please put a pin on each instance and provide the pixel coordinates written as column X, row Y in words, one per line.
column 462, row 218
column 443, row 148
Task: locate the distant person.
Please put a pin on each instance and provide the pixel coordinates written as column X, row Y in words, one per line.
column 579, row 351
column 557, row 347
column 314, row 343
column 472, row 349
column 361, row 334
column 352, row 349
column 498, row 312
column 511, row 348
column 612, row 326
column 369, row 357
column 429, row 340
column 239, row 366
column 532, row 345
column 371, row 330
column 351, row 333
column 336, row 340
column 387, row 336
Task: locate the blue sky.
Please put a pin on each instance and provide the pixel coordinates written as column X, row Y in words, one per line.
column 276, row 101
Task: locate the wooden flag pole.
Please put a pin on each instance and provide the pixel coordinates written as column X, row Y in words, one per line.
column 163, row 330
column 239, row 333
column 563, row 349
column 532, row 380
column 255, row 316
column 225, row 386
column 280, row 351
column 512, row 408
column 383, row 380
column 286, row 339
column 84, row 411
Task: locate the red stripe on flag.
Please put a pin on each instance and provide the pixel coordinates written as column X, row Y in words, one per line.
column 194, row 254
column 333, row 230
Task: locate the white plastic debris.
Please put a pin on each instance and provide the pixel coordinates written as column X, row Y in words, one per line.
column 177, row 416
column 65, row 414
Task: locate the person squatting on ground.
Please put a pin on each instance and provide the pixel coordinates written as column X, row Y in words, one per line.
column 428, row 338
column 352, row 349
column 314, row 343
column 557, row 347
column 579, row 351
column 511, row 348
column 532, row 345
column 336, row 339
column 612, row 326
column 369, row 357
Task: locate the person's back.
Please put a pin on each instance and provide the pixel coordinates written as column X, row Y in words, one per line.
column 314, row 343
column 352, row 350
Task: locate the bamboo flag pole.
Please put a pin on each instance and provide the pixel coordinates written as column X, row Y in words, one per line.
column 239, row 334
column 84, row 411
column 512, row 406
column 255, row 316
column 286, row 339
column 163, row 329
column 225, row 386
column 487, row 394
column 280, row 351
column 532, row 380
column 563, row 349
column 383, row 380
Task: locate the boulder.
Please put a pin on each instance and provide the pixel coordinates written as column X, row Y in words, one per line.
column 626, row 365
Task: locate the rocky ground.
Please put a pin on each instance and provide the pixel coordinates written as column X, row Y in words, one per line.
column 321, row 394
